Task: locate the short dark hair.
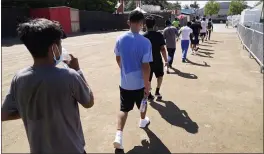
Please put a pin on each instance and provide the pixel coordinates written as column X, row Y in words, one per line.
column 136, row 16
column 167, row 23
column 38, row 35
column 210, row 19
column 150, row 22
column 203, row 18
column 197, row 17
column 189, row 23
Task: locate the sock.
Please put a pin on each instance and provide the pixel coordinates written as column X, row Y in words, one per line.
column 119, row 133
column 157, row 90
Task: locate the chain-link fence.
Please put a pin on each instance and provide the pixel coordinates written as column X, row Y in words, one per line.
column 252, row 40
column 256, row 26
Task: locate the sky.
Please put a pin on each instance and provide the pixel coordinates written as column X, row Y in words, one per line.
column 202, row 3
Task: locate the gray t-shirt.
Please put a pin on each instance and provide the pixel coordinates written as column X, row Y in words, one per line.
column 46, row 99
column 169, row 34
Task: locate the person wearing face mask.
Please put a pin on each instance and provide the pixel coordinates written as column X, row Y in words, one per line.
column 46, row 97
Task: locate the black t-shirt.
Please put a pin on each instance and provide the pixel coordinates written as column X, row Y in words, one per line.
column 157, row 40
column 196, row 27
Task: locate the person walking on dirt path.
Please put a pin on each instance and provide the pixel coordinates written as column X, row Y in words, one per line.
column 203, row 30
column 170, row 34
column 45, row 96
column 210, row 28
column 158, row 48
column 196, row 27
column 186, row 33
column 176, row 23
column 133, row 55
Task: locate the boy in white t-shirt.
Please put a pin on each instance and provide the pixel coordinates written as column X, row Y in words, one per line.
column 186, row 33
column 203, row 30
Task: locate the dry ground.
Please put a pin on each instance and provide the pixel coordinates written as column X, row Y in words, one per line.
column 221, row 89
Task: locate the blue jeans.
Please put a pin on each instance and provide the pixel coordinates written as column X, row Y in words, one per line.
column 184, row 46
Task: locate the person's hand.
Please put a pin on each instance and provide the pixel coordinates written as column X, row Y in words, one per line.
column 73, row 63
column 166, row 64
column 146, row 90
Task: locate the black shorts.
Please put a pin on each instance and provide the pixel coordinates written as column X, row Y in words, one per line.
column 195, row 39
column 203, row 34
column 157, row 69
column 129, row 97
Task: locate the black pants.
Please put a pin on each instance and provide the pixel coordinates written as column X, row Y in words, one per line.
column 171, row 52
column 209, row 34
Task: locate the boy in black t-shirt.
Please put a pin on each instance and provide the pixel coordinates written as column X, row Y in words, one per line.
column 158, row 46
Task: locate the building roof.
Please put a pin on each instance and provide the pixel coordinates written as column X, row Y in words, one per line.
column 187, row 11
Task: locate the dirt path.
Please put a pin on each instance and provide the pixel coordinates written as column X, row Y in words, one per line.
column 221, row 89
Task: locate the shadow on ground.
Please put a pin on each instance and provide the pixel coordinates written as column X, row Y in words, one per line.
column 8, row 42
column 154, row 145
column 197, row 64
column 170, row 112
column 217, row 41
column 182, row 74
column 205, row 45
column 205, row 49
column 210, row 42
column 94, row 32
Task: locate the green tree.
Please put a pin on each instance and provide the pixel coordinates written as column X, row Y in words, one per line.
column 161, row 3
column 236, row 7
column 211, row 7
column 186, row 6
column 174, row 6
column 130, row 5
column 195, row 6
column 177, row 5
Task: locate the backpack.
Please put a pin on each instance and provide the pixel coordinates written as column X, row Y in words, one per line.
column 209, row 26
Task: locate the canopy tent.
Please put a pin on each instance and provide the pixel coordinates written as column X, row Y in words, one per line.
column 141, row 10
column 180, row 16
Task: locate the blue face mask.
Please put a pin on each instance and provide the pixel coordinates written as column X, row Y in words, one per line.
column 57, row 61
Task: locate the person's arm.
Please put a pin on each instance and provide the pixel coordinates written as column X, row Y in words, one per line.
column 180, row 31
column 163, row 49
column 80, row 89
column 147, row 57
column 117, row 53
column 9, row 110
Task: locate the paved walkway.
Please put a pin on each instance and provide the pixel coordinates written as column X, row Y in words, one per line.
column 220, row 89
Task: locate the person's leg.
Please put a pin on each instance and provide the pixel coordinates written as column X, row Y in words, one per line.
column 185, row 46
column 159, row 73
column 170, row 56
column 151, row 97
column 209, row 37
column 127, row 104
column 139, row 96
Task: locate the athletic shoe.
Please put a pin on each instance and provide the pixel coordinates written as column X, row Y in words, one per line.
column 144, row 122
column 183, row 60
column 118, row 142
column 158, row 95
column 151, row 97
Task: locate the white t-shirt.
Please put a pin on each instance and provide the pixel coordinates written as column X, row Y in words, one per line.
column 204, row 25
column 185, row 33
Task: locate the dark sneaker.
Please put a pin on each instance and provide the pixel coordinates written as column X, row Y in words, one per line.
column 158, row 95
column 183, row 60
column 151, row 97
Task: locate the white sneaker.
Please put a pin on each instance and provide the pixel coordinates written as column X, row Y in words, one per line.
column 118, row 142
column 144, row 122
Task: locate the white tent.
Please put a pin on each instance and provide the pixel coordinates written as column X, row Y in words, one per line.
column 250, row 15
column 141, row 10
